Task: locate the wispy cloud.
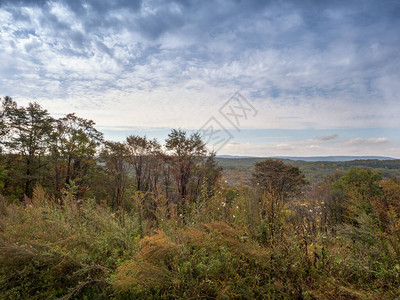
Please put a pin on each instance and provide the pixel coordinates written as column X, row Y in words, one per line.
column 327, row 137
column 373, row 146
column 366, row 141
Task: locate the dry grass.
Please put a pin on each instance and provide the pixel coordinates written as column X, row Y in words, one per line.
column 228, row 247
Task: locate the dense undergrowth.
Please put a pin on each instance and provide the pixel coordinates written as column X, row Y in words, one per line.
column 238, row 244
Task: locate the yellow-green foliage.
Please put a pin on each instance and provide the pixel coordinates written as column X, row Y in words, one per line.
column 213, row 260
column 150, row 266
column 49, row 250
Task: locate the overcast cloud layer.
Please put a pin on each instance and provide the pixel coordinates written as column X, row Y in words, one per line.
column 327, row 72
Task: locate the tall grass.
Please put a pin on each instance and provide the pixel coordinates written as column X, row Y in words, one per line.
column 50, row 250
column 238, row 244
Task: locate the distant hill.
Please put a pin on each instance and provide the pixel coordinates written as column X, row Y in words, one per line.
column 313, row 158
column 234, row 156
column 334, row 158
column 238, row 169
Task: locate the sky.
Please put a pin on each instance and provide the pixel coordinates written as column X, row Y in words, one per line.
column 260, row 78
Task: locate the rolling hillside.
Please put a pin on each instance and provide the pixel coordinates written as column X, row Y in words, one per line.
column 238, row 170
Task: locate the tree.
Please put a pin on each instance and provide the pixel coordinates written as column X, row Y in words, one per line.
column 388, row 211
column 3, row 122
column 275, row 176
column 186, row 152
column 364, row 181
column 3, row 134
column 358, row 189
column 30, row 131
column 145, row 157
column 329, row 201
column 207, row 177
column 75, row 149
column 115, row 157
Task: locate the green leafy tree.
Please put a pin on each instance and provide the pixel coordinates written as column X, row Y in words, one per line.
column 283, row 179
column 358, row 189
column 364, row 181
column 30, row 132
column 75, row 149
column 388, row 210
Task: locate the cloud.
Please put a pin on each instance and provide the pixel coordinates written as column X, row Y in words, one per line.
column 357, row 146
column 153, row 63
column 327, row 137
column 366, row 141
column 285, row 146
